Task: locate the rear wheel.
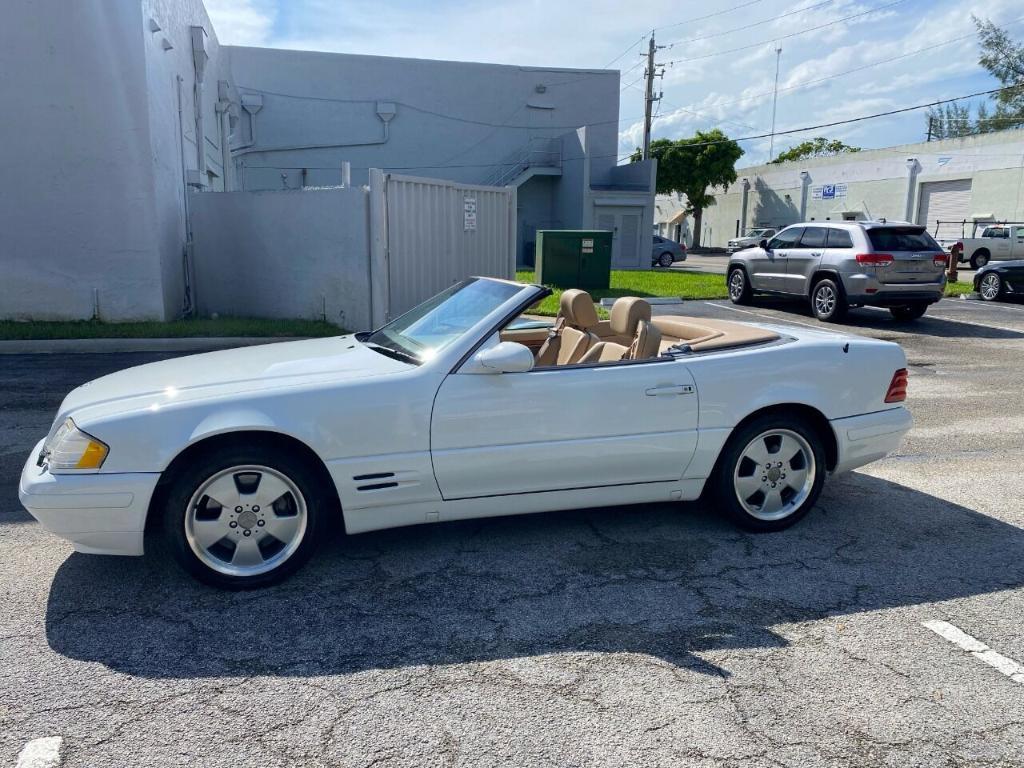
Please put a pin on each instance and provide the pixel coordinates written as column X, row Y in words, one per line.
column 240, row 517
column 770, row 473
column 909, row 312
column 979, row 259
column 665, row 259
column 991, row 287
column 739, row 287
column 827, row 301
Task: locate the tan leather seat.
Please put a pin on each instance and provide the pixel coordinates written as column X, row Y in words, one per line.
column 622, row 322
column 572, row 336
column 646, row 345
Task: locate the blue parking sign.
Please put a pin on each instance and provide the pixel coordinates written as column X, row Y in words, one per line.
column 828, row 192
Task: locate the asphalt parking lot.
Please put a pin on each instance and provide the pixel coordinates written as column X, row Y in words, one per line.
column 654, row 635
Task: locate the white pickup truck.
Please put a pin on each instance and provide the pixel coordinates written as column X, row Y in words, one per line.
column 997, row 242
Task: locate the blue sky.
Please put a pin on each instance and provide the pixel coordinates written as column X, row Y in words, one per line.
column 906, row 51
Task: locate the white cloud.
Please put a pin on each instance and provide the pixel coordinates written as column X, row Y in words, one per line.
column 241, row 22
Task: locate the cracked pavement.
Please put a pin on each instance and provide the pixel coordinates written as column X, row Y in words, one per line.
column 654, row 635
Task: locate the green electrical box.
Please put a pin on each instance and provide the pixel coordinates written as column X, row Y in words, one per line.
column 573, row 258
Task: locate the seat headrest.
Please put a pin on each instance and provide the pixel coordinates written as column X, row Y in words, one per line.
column 646, row 343
column 626, row 313
column 577, row 307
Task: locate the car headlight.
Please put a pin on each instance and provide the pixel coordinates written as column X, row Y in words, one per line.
column 71, row 448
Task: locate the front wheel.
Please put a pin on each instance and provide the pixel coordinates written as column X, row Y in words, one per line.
column 240, row 518
column 666, row 260
column 828, row 302
column 908, row 312
column 739, row 287
column 770, row 473
column 991, row 287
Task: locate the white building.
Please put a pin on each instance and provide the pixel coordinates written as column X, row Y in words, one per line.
column 119, row 112
column 949, row 181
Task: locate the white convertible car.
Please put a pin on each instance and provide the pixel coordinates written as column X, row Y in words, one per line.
column 464, row 407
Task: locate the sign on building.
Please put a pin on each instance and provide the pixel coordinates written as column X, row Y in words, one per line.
column 469, row 213
column 828, row 191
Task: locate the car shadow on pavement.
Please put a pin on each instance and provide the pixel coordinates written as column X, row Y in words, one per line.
column 664, row 580
column 929, row 325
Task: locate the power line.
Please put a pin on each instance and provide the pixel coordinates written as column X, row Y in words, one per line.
column 791, row 34
column 710, row 15
column 760, row 23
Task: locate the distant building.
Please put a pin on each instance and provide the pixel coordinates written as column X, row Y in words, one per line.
column 118, row 113
column 951, row 180
column 670, row 219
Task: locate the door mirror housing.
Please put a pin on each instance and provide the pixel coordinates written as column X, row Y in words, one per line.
column 504, row 357
column 763, row 244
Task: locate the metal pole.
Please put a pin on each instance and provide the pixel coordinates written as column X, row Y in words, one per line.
column 649, row 96
column 775, row 100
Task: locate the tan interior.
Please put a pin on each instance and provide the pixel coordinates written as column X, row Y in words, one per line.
column 701, row 334
column 645, row 345
column 621, row 325
column 571, row 337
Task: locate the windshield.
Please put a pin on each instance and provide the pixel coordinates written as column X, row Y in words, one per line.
column 760, row 233
column 902, row 239
column 425, row 330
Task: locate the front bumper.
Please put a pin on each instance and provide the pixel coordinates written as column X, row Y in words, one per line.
column 870, row 437
column 867, row 289
column 99, row 513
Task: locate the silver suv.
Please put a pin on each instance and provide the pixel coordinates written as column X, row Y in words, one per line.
column 845, row 264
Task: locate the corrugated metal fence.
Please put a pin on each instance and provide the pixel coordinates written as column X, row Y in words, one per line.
column 440, row 232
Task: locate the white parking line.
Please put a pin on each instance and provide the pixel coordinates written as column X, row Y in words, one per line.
column 41, row 753
column 977, row 649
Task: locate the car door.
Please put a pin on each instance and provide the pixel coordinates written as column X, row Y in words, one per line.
column 768, row 265
column 562, row 428
column 803, row 260
column 1018, row 243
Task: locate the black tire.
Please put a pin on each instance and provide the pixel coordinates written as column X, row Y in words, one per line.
column 257, row 459
column 990, row 287
column 828, row 302
column 725, row 490
column 665, row 259
column 979, row 259
column 909, row 312
column 739, row 286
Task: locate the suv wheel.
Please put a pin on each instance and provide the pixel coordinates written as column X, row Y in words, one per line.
column 827, row 301
column 909, row 312
column 739, row 286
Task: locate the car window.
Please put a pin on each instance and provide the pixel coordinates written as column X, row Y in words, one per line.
column 813, row 237
column 902, row 239
column 839, row 238
column 787, row 238
column 995, row 232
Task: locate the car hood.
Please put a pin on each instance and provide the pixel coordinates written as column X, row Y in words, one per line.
column 230, row 371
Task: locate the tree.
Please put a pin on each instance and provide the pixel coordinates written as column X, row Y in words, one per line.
column 950, row 121
column 818, row 147
column 695, row 166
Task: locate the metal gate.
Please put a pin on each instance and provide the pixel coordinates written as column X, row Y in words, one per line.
column 439, row 232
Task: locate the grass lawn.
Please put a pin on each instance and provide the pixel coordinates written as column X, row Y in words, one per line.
column 687, row 285
column 223, row 326
column 955, row 289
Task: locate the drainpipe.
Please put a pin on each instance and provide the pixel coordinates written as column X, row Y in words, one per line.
column 346, row 173
column 805, row 183
column 912, row 169
column 199, row 59
column 745, row 183
column 224, row 110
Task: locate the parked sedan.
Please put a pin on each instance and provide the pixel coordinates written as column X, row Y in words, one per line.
column 1000, row 279
column 665, row 252
column 749, row 240
column 239, row 461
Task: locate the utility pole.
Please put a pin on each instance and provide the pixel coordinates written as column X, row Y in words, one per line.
column 649, row 97
column 775, row 101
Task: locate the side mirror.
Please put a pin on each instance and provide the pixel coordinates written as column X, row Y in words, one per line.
column 763, row 244
column 506, row 357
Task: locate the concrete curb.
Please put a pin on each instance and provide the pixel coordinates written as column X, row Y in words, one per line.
column 101, row 346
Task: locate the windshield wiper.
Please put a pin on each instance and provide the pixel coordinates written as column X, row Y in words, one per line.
column 397, row 354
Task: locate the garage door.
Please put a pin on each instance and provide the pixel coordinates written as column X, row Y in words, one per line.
column 945, row 201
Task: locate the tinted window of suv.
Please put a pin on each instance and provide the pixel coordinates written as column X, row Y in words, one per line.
column 902, row 239
column 786, row 239
column 995, row 232
column 813, row 237
column 839, row 238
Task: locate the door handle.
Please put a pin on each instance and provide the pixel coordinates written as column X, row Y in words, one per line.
column 670, row 389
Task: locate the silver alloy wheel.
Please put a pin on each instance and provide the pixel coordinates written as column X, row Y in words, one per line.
column 990, row 286
column 774, row 474
column 824, row 300
column 736, row 283
column 245, row 520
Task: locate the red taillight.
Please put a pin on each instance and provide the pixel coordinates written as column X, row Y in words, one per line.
column 897, row 387
column 941, row 260
column 875, row 259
